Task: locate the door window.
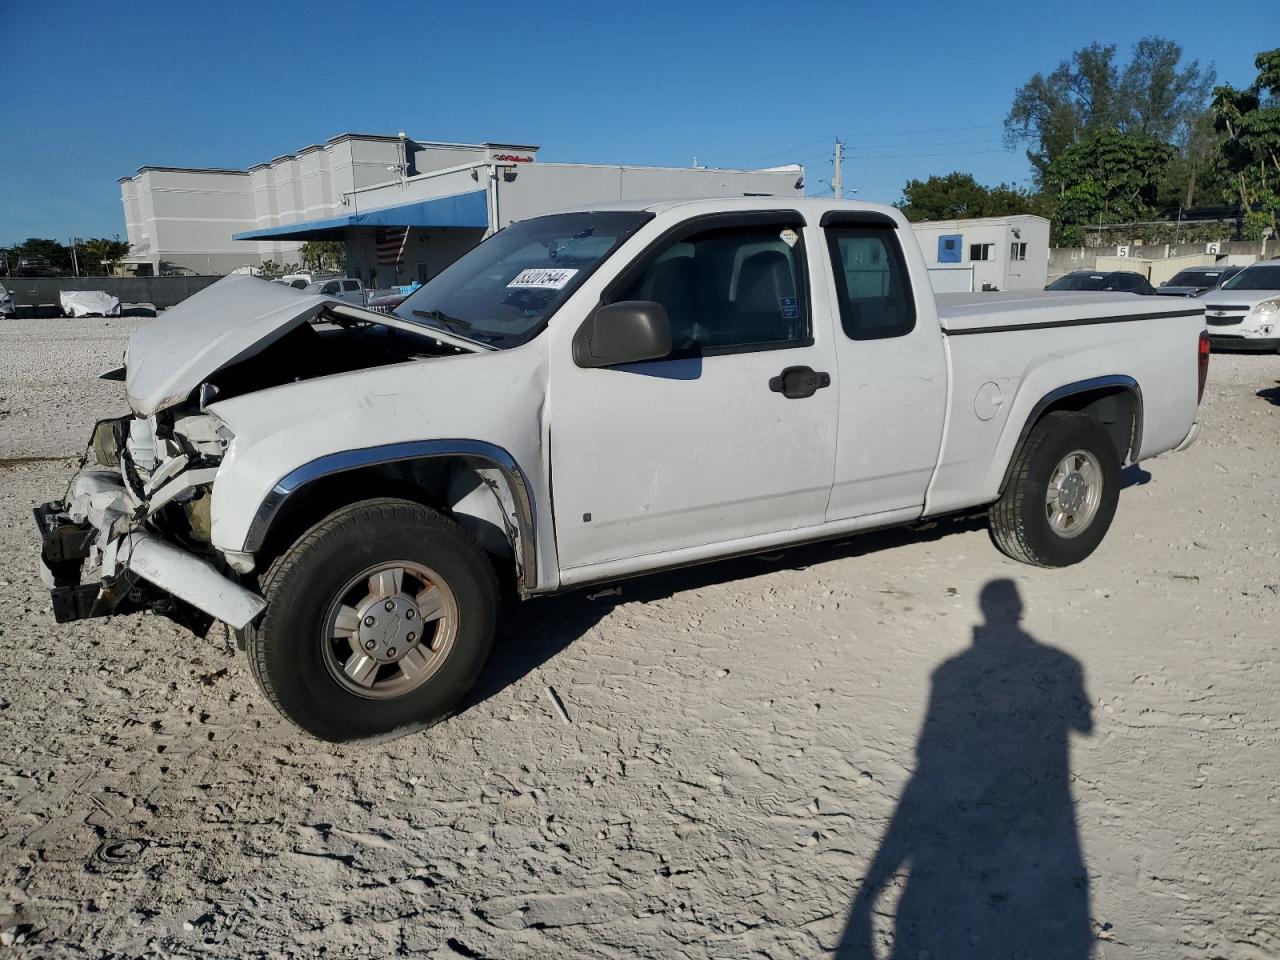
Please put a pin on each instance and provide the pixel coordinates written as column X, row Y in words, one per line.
column 351, row 286
column 330, row 288
column 872, row 286
column 729, row 289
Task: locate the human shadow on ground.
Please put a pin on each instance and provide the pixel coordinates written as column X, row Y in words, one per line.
column 1271, row 394
column 983, row 845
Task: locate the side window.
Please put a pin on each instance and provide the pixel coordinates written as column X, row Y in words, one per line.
column 330, row 288
column 729, row 289
column 871, row 282
column 980, row 251
column 350, row 285
column 1017, row 251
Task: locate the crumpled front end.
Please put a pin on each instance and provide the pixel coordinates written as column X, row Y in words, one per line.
column 132, row 532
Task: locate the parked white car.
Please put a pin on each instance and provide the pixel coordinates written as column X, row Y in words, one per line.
column 8, row 307
column 1244, row 313
column 349, row 489
column 88, row 303
column 344, row 288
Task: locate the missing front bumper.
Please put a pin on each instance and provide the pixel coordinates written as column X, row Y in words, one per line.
column 136, row 571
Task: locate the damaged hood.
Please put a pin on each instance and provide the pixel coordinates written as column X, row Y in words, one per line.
column 225, row 322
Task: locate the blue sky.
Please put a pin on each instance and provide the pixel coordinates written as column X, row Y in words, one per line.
column 95, row 90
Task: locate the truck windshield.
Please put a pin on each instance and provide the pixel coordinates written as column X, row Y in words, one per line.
column 1260, row 277
column 503, row 292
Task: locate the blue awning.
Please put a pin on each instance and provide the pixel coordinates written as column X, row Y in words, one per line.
column 460, row 210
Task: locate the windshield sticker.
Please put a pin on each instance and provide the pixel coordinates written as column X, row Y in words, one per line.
column 789, row 237
column 542, row 278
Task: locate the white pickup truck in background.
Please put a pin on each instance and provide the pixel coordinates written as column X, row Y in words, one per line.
column 583, row 397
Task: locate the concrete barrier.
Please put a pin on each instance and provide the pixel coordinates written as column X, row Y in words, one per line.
column 38, row 296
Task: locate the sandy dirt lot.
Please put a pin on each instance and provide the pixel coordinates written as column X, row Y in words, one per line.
column 747, row 742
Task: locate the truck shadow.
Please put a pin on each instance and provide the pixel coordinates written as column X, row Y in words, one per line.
column 533, row 632
column 983, row 851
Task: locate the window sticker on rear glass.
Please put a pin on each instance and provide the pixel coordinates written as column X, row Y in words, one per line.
column 790, row 309
column 542, row 278
column 789, row 237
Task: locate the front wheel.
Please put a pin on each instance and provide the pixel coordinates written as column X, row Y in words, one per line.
column 379, row 620
column 1062, row 492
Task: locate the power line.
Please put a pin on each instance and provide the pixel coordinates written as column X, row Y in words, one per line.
column 912, row 156
column 908, row 133
column 933, row 143
column 769, row 156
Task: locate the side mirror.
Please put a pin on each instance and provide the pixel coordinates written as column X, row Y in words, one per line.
column 627, row 332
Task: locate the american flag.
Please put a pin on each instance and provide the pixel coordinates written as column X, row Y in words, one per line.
column 390, row 242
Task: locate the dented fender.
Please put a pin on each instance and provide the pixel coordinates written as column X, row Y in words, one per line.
column 484, row 407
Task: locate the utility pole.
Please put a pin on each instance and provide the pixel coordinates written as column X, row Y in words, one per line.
column 836, row 182
column 75, row 261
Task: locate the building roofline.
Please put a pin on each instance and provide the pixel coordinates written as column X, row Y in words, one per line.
column 223, row 170
column 364, row 136
column 511, row 146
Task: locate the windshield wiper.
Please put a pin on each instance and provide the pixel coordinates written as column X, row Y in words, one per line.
column 441, row 317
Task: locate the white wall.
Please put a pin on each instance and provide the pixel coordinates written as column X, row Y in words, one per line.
column 1000, row 272
column 540, row 188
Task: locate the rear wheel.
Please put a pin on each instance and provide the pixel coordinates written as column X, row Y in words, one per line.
column 1062, row 492
column 379, row 620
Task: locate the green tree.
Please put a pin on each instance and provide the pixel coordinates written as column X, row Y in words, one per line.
column 58, row 255
column 324, row 255
column 1153, row 95
column 1111, row 177
column 1161, row 100
column 270, row 268
column 1197, row 174
column 98, row 255
column 1249, row 121
column 958, row 195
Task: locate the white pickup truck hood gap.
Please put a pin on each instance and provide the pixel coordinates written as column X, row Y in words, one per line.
column 223, row 324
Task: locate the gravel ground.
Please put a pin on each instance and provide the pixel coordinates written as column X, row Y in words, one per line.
column 746, row 742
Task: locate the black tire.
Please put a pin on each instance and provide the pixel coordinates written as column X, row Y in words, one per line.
column 1019, row 520
column 286, row 647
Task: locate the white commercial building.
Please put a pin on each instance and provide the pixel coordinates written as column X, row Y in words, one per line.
column 990, row 253
column 405, row 209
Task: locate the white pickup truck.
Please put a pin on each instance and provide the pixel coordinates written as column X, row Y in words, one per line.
column 584, row 397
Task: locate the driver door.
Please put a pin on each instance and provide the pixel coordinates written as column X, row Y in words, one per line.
column 706, row 448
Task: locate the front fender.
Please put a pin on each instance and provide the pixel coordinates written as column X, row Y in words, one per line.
column 285, row 435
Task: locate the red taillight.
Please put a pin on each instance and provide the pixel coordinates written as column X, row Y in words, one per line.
column 1203, row 361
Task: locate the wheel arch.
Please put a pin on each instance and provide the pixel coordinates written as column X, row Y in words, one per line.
column 1114, row 400
column 478, row 483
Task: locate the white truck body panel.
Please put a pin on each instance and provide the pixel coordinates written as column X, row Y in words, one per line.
column 645, row 465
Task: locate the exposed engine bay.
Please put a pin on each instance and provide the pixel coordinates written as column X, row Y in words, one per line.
column 328, row 345
column 133, row 530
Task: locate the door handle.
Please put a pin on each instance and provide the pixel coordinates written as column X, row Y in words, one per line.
column 796, row 383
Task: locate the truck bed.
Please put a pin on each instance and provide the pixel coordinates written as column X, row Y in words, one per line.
column 990, row 312
column 1006, row 351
